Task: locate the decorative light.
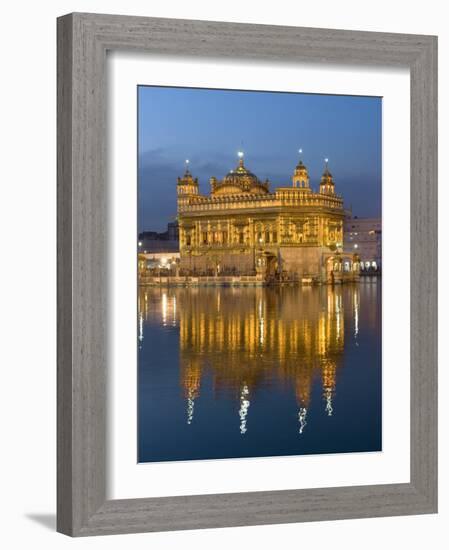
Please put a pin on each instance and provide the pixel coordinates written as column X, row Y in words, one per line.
column 140, row 243
column 302, row 419
column 240, row 154
column 326, row 160
column 190, row 408
column 328, row 397
column 187, row 161
column 243, row 411
column 300, row 151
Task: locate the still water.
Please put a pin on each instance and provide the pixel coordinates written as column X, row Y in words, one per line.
column 244, row 372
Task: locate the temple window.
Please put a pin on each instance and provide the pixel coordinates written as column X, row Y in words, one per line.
column 241, row 238
column 275, row 236
column 188, row 240
column 267, row 236
column 205, row 237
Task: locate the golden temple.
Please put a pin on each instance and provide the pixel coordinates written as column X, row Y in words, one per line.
column 242, row 229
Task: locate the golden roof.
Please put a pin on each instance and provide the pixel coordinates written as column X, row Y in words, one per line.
column 240, row 180
column 301, row 166
column 187, row 179
column 326, row 178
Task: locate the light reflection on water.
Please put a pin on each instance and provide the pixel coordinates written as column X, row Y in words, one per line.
column 233, row 372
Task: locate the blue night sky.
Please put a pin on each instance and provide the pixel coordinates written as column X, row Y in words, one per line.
column 208, row 127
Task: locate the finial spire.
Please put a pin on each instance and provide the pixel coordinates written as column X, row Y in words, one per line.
column 300, row 156
column 240, row 154
column 326, row 162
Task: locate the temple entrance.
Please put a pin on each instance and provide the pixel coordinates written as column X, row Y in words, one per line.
column 267, row 266
column 333, row 270
column 341, row 268
column 272, row 266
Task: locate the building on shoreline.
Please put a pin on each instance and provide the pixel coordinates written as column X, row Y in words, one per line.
column 243, row 229
column 364, row 236
column 152, row 241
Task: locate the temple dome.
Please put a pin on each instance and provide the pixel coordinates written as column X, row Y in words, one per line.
column 327, row 185
column 327, row 177
column 187, row 179
column 240, row 180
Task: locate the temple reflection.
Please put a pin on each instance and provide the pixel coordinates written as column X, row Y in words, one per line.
column 248, row 338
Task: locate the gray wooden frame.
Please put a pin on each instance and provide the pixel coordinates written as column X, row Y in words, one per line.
column 83, row 40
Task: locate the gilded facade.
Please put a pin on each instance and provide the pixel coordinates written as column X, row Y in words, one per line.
column 243, row 228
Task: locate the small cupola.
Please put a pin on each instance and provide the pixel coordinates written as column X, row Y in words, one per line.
column 327, row 185
column 300, row 176
column 187, row 185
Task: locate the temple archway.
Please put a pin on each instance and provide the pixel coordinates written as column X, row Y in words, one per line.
column 267, row 265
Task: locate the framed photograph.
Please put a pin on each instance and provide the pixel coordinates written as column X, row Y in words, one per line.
column 247, row 274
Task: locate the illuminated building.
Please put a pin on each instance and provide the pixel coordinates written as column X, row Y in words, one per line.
column 154, row 242
column 164, row 262
column 364, row 236
column 243, row 229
